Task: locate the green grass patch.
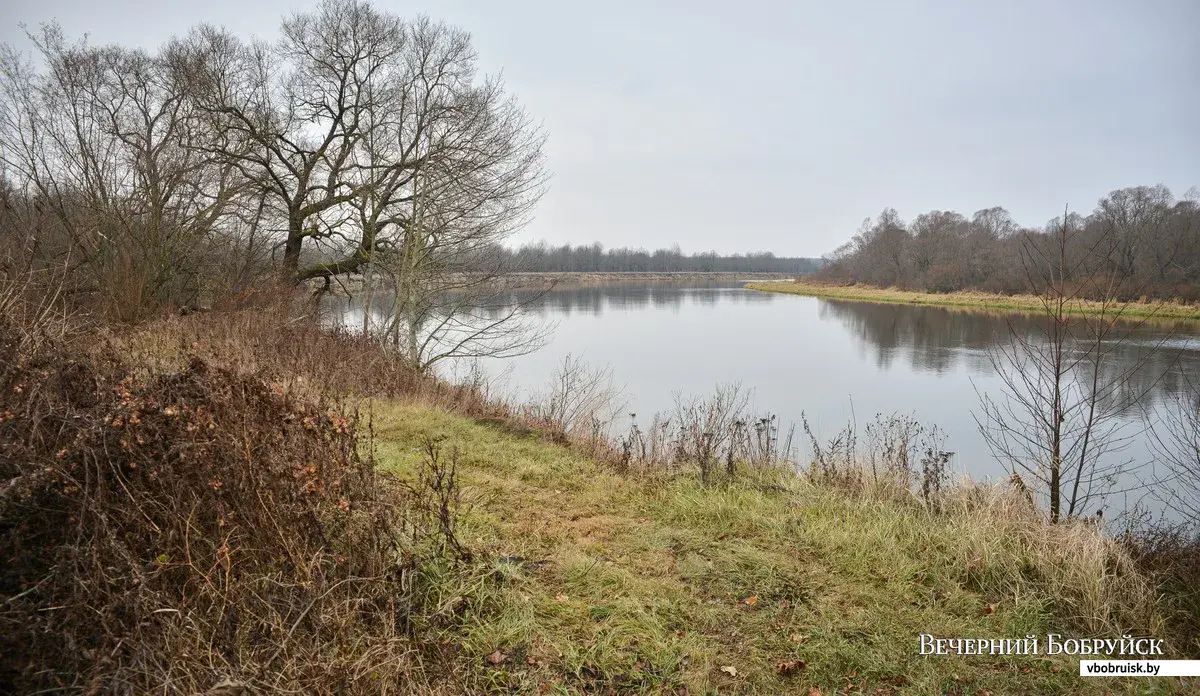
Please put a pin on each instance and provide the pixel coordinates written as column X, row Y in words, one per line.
column 594, row 582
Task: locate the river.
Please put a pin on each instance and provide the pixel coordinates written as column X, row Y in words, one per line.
column 834, row 361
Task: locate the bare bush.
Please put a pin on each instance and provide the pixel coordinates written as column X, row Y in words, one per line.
column 890, row 444
column 1057, row 420
column 645, row 450
column 836, row 461
column 580, row 401
column 714, row 433
column 33, row 306
column 756, row 442
column 898, row 452
column 705, row 428
column 438, row 498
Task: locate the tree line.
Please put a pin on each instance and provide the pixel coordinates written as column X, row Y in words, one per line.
column 542, row 257
column 1139, row 237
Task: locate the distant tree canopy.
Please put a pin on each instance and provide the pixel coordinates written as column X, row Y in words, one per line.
column 1150, row 243
column 594, row 258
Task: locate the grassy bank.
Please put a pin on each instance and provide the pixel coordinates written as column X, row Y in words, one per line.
column 773, row 585
column 975, row 300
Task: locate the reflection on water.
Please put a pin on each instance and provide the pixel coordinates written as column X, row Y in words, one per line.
column 831, row 360
column 596, row 300
column 1145, row 359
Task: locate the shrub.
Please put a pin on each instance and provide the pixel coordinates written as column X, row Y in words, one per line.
column 1170, row 557
column 168, row 532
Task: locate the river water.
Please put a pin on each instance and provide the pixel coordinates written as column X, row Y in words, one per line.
column 833, row 361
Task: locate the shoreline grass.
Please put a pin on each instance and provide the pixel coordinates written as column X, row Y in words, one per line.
column 970, row 301
column 778, row 585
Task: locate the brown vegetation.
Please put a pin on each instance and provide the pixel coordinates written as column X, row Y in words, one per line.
column 178, row 529
column 193, row 503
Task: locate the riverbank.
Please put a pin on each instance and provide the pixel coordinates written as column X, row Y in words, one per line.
column 505, row 555
column 1026, row 304
column 769, row 584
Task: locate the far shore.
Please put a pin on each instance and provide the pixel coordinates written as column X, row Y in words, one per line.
column 562, row 279
column 353, row 284
column 1024, row 304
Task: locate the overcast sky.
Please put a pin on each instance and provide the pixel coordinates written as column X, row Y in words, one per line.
column 779, row 126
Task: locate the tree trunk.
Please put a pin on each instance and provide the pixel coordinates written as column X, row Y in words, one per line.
column 291, row 248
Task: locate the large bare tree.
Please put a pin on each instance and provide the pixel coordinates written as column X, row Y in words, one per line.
column 335, row 121
column 481, row 178
column 291, row 115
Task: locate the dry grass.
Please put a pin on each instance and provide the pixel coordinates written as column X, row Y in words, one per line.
column 978, row 300
column 283, row 338
column 1170, row 558
column 174, row 530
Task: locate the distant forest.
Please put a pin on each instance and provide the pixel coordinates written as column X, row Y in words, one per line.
column 594, row 258
column 1140, row 238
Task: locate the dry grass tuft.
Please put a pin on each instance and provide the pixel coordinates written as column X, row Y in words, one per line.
column 1170, row 558
column 1006, row 546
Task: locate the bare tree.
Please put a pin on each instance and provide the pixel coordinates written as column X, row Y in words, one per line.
column 103, row 138
column 447, row 301
column 384, row 153
column 1175, row 440
column 1059, row 419
column 1134, row 219
column 438, row 227
column 358, row 141
column 578, row 399
column 881, row 253
column 290, row 116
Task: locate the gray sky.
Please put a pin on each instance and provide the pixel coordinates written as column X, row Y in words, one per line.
column 781, row 125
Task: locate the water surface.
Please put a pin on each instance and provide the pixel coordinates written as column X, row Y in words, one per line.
column 835, row 361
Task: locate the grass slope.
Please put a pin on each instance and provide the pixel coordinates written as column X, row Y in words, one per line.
column 973, row 300
column 599, row 582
